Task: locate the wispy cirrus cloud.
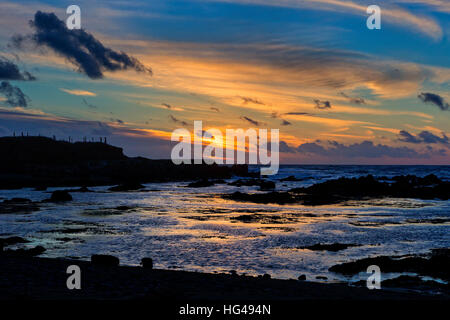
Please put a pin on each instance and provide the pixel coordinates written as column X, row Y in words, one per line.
column 76, row 92
column 391, row 11
column 434, row 5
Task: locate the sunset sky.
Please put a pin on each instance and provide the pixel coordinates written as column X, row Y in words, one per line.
column 338, row 92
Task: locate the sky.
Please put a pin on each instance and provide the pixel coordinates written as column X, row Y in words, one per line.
column 338, row 92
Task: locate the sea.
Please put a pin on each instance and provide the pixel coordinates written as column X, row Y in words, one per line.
column 195, row 229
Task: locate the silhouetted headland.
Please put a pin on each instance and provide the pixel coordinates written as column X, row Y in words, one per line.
column 44, row 162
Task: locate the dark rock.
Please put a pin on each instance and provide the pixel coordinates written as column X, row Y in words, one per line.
column 25, row 252
column 266, row 276
column 271, row 197
column 104, row 260
column 60, row 196
column 436, row 264
column 302, row 277
column 344, row 189
column 334, row 247
column 18, row 206
column 267, row 185
column 123, row 208
column 12, row 240
column 261, row 183
column 147, row 263
column 201, row 184
column 321, row 278
column 17, row 201
column 415, row 283
column 127, row 187
column 245, row 182
column 290, row 178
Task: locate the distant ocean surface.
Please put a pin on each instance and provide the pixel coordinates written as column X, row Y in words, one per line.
column 195, row 229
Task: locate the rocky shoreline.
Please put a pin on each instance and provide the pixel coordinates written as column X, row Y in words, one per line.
column 341, row 190
column 23, row 275
column 33, row 278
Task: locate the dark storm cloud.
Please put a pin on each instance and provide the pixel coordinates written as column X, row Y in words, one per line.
column 435, row 99
column 322, row 104
column 78, row 46
column 422, row 137
column 10, row 71
column 14, row 96
column 428, row 137
column 284, row 147
column 405, row 136
column 365, row 149
column 184, row 123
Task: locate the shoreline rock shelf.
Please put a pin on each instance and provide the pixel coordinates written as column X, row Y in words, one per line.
column 345, row 189
column 45, row 279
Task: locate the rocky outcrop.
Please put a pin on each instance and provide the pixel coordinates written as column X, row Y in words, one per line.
column 130, row 186
column 345, row 189
column 333, row 247
column 147, row 263
column 436, row 264
column 60, row 196
column 18, row 206
column 104, row 260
